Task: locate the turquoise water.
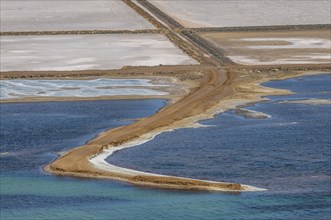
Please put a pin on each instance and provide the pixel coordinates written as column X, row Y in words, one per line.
column 289, row 154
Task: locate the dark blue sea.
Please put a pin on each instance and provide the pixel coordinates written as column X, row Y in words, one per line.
column 289, row 154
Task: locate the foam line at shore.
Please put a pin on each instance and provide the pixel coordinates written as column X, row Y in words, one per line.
column 99, row 161
column 251, row 114
column 89, row 160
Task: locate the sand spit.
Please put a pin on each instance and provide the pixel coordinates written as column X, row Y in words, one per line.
column 77, row 161
column 250, row 114
column 219, row 86
column 216, row 86
column 217, row 93
column 308, row 101
column 99, row 162
column 5, row 153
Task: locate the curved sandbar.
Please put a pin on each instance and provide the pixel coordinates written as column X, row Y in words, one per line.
column 218, row 92
column 77, row 162
column 167, row 181
column 218, row 84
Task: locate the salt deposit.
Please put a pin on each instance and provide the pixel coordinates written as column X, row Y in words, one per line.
column 88, row 52
column 224, row 13
column 11, row 89
column 290, row 43
column 48, row 15
column 302, row 59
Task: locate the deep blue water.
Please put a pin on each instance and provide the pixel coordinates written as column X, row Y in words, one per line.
column 289, row 154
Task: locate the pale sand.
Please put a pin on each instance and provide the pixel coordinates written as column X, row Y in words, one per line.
column 317, row 58
column 99, row 162
column 246, row 113
column 5, row 153
column 308, row 101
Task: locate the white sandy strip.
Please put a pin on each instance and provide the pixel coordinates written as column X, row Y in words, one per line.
column 99, row 161
column 308, row 101
column 258, row 114
column 293, row 43
column 304, row 59
column 254, row 114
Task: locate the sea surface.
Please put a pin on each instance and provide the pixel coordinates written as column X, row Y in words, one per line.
column 289, row 154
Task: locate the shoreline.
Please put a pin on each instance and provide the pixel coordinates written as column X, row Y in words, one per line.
column 219, row 85
column 99, row 162
column 85, row 161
